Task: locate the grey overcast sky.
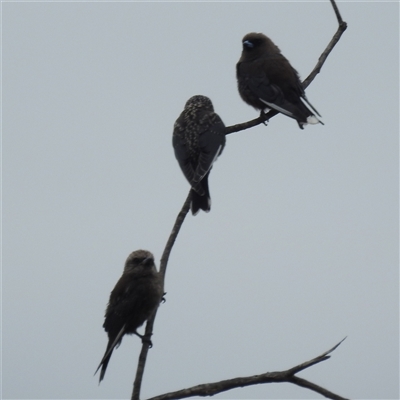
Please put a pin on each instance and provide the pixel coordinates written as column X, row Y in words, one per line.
column 300, row 248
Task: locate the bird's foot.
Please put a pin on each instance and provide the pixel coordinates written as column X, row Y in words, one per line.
column 301, row 124
column 145, row 339
column 163, row 300
column 263, row 115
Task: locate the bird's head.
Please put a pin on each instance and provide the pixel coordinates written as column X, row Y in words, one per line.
column 139, row 259
column 255, row 44
column 199, row 101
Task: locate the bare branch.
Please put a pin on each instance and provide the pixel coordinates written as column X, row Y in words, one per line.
column 175, row 230
column 325, row 54
column 321, row 61
column 285, row 376
column 210, row 389
column 335, row 8
column 315, row 388
column 249, row 124
column 316, row 360
column 150, row 323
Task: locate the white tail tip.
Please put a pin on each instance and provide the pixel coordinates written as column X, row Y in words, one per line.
column 312, row 120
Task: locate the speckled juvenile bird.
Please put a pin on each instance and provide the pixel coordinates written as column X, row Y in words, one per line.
column 198, row 139
column 133, row 300
column 266, row 80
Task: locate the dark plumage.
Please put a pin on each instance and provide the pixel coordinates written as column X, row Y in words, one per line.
column 133, row 300
column 266, row 80
column 198, row 139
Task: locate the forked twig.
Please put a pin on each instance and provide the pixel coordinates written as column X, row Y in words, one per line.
column 210, row 389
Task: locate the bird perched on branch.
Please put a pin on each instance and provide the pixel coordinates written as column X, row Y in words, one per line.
column 133, row 300
column 198, row 139
column 266, row 80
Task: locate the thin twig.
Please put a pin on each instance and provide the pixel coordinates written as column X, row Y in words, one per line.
column 210, row 389
column 338, row 16
column 315, row 388
column 342, row 27
column 150, row 323
column 336, row 37
column 175, row 230
column 316, row 360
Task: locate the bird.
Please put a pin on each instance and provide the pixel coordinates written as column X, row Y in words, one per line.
column 267, row 81
column 198, row 139
column 133, row 300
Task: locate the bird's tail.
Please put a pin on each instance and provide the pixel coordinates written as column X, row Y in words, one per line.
column 107, row 355
column 302, row 111
column 103, row 364
column 312, row 118
column 201, row 202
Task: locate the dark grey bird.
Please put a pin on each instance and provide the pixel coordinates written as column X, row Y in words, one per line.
column 267, row 81
column 198, row 139
column 133, row 300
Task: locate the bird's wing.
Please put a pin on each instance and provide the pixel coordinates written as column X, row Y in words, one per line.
column 212, row 142
column 269, row 94
column 119, row 307
column 109, row 350
column 121, row 290
column 255, row 76
column 275, row 107
column 184, row 161
column 305, row 100
column 274, row 82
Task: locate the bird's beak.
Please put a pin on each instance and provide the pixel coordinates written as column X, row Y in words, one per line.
column 147, row 261
column 248, row 44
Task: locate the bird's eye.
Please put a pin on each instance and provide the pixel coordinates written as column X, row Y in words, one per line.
column 248, row 44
